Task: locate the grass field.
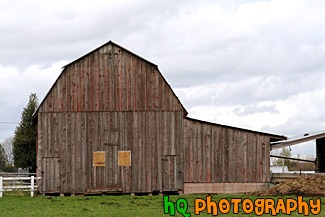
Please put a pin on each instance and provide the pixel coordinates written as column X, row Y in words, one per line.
column 118, row 206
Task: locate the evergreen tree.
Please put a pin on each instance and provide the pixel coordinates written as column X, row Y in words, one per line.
column 24, row 144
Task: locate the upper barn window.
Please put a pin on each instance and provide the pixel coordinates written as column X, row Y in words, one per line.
column 111, row 136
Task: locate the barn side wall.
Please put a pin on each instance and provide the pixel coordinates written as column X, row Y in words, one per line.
column 68, row 140
column 218, row 154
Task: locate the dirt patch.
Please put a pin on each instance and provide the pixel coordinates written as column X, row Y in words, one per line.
column 311, row 185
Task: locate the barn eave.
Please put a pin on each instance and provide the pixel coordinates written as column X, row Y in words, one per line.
column 273, row 137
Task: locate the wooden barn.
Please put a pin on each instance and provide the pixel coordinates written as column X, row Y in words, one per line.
column 111, row 122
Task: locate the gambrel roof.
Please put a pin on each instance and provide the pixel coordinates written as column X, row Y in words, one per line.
column 110, row 43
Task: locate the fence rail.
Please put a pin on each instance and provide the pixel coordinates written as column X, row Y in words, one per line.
column 18, row 184
column 14, row 174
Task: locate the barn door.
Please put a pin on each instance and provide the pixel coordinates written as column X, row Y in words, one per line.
column 112, row 170
column 106, row 172
column 50, row 174
column 113, row 173
column 171, row 173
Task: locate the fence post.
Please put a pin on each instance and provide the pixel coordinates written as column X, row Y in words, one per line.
column 32, row 186
column 0, row 186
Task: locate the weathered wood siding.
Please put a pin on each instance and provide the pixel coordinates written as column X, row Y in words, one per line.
column 110, row 79
column 218, row 154
column 68, row 140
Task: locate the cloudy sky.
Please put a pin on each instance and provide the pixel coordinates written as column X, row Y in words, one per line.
column 252, row 64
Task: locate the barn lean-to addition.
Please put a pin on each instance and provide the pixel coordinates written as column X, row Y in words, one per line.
column 111, row 122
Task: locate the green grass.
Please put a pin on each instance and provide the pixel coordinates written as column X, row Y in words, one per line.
column 13, row 205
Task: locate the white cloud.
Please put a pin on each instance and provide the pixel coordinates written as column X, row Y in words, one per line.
column 298, row 114
column 252, row 64
column 15, row 88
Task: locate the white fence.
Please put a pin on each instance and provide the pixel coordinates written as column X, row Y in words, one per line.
column 18, row 184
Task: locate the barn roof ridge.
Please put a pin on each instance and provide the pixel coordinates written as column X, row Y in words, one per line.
column 117, row 45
